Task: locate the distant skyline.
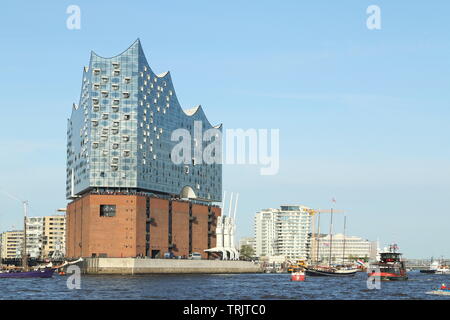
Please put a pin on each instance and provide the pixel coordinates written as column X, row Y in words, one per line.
column 363, row 114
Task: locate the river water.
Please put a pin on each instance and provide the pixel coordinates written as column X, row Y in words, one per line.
column 228, row 287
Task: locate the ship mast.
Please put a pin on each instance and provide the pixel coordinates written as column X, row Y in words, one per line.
column 24, row 250
column 331, row 236
column 343, row 250
column 318, row 239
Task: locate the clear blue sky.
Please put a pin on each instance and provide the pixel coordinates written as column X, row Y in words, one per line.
column 363, row 115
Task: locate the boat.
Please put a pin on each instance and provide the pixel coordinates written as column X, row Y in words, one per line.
column 391, row 267
column 298, row 275
column 443, row 269
column 439, row 292
column 328, row 271
column 437, row 267
column 336, row 270
column 294, row 266
column 44, row 273
column 442, row 291
column 434, row 265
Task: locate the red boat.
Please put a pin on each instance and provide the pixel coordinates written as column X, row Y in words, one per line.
column 298, row 275
column 391, row 267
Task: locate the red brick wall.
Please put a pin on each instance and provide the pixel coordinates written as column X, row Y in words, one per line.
column 200, row 229
column 159, row 229
column 124, row 234
column 140, row 225
column 216, row 211
column 180, row 228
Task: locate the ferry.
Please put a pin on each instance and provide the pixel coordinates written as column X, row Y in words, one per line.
column 390, row 267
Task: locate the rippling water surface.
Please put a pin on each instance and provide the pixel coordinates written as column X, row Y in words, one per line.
column 238, row 286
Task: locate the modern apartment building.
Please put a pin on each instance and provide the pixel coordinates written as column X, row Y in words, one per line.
column 283, row 232
column 137, row 185
column 35, row 237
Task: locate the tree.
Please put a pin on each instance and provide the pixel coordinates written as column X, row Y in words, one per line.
column 247, row 251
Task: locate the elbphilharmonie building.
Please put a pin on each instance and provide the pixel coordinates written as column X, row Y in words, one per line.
column 129, row 196
column 119, row 134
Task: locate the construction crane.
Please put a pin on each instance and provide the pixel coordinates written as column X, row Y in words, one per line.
column 312, row 213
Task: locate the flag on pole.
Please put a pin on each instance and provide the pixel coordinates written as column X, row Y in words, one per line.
column 333, row 200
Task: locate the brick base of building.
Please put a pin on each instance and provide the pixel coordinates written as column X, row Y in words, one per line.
column 123, row 226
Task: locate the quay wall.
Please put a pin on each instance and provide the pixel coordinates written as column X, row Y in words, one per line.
column 168, row 266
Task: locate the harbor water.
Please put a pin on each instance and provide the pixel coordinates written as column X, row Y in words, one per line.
column 228, row 287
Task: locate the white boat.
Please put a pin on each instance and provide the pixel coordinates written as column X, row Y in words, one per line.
column 442, row 270
column 439, row 292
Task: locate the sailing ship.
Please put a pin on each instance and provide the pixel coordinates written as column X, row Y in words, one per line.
column 25, row 272
column 390, row 267
column 331, row 270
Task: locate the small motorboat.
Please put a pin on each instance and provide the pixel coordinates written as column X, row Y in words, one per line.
column 298, row 275
column 439, row 292
column 442, row 291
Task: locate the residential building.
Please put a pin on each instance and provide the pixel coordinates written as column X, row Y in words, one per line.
column 35, row 237
column 283, row 232
column 54, row 233
column 249, row 241
column 11, row 244
column 343, row 248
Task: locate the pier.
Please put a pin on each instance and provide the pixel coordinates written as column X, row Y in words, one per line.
column 165, row 266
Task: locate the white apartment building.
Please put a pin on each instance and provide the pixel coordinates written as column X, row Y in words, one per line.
column 283, row 232
column 345, row 249
column 35, row 235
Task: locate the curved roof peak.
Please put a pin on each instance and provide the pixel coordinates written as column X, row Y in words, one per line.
column 192, row 111
column 136, row 42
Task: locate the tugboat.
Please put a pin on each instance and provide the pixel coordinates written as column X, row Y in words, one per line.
column 390, row 267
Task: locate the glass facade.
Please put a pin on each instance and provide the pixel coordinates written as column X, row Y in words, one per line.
column 119, row 135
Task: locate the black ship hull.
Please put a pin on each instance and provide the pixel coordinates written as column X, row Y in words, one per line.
column 331, row 273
